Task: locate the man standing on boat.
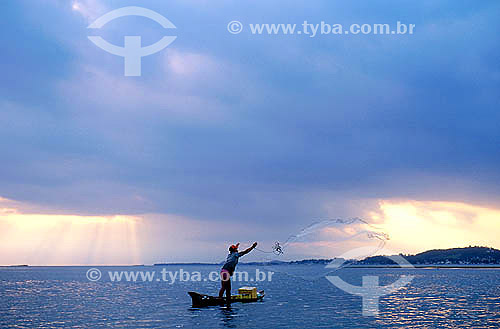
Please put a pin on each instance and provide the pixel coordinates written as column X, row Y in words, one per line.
column 228, row 269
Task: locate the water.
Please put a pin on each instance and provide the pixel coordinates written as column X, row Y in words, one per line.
column 64, row 297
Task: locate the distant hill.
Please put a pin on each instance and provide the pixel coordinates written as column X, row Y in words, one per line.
column 461, row 256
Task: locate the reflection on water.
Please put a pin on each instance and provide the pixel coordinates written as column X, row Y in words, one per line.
column 63, row 297
column 227, row 314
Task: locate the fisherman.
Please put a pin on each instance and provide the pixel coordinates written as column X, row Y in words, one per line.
column 228, row 269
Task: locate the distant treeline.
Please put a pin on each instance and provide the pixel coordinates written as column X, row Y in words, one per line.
column 463, row 256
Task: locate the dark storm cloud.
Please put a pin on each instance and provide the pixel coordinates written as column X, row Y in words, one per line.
column 267, row 127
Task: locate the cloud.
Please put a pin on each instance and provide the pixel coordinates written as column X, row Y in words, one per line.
column 190, row 64
column 276, row 130
column 36, row 235
column 51, row 239
column 416, row 226
column 89, row 9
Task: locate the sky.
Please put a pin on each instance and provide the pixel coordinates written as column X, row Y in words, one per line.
column 230, row 138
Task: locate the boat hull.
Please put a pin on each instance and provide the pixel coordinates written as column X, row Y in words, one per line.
column 200, row 300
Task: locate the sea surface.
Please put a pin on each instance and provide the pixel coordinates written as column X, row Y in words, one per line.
column 63, row 297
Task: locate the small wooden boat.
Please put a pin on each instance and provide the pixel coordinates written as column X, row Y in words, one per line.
column 200, row 300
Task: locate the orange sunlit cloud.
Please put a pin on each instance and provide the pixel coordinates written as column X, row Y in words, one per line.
column 40, row 239
column 34, row 237
column 415, row 226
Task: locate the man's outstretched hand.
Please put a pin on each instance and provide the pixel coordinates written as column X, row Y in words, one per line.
column 246, row 251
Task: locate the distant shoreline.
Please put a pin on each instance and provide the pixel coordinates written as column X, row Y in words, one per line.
column 352, row 266
column 469, row 257
column 423, row 266
column 348, row 266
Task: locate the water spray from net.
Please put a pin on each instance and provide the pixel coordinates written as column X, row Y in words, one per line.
column 334, row 236
column 372, row 233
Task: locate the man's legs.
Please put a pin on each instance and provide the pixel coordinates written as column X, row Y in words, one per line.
column 228, row 291
column 222, row 289
column 225, row 285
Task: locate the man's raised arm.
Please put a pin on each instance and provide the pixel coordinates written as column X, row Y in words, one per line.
column 246, row 251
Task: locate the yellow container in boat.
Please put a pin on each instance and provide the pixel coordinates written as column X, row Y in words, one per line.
column 248, row 292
